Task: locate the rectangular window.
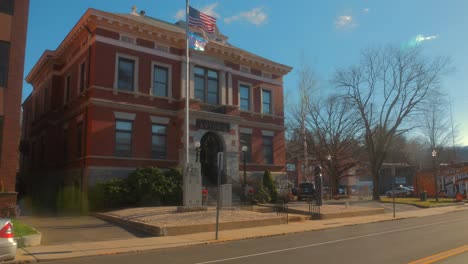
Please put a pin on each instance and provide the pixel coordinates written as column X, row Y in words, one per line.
column 160, row 81
column 82, row 77
column 1, row 136
column 266, row 102
column 126, row 74
column 4, row 61
column 159, row 141
column 246, row 140
column 7, row 6
column 268, row 150
column 291, row 167
column 67, row 89
column 244, row 97
column 123, row 138
column 206, row 85
column 79, row 139
column 65, row 144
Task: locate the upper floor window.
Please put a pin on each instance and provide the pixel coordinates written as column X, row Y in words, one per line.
column 266, row 102
column 67, row 89
column 160, row 81
column 246, row 140
column 126, row 74
column 244, row 97
column 206, row 85
column 82, row 76
column 65, row 144
column 7, row 6
column 123, row 138
column 159, row 141
column 4, row 61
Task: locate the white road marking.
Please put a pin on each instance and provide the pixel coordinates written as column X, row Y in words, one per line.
column 328, row 242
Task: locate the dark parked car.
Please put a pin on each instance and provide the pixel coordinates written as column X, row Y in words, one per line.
column 306, row 190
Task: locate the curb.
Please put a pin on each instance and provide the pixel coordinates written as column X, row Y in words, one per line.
column 191, row 229
column 435, row 206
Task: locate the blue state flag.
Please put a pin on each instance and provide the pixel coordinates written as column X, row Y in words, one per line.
column 196, row 42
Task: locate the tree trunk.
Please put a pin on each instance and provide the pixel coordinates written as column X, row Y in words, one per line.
column 376, row 185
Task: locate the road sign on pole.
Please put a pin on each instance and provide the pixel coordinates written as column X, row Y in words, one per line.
column 220, row 170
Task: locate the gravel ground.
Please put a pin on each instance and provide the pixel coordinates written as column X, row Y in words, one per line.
column 167, row 216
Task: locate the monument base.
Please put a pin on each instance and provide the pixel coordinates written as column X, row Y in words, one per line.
column 187, row 209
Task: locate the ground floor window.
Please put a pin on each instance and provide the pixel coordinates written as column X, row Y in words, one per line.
column 123, row 138
column 159, row 141
column 268, row 150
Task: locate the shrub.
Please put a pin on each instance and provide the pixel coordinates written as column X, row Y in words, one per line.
column 109, row 194
column 262, row 195
column 270, row 186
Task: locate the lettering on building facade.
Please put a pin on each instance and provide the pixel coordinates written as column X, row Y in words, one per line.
column 213, row 125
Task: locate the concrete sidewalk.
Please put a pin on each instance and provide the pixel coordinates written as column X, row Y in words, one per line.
column 74, row 250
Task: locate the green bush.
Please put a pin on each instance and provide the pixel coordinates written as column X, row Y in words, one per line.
column 262, row 195
column 109, row 194
column 145, row 186
column 270, row 186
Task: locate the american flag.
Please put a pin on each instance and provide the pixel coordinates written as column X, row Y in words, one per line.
column 199, row 19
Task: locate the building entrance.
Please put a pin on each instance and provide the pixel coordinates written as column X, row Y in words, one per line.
column 210, row 145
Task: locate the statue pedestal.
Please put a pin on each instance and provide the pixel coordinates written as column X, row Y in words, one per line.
column 193, row 185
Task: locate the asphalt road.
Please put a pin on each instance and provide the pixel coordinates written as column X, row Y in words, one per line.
column 399, row 241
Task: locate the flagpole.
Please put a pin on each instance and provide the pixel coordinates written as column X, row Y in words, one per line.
column 187, row 76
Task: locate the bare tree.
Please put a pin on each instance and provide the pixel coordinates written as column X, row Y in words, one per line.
column 437, row 125
column 334, row 136
column 387, row 87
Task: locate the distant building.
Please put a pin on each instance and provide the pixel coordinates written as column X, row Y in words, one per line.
column 111, row 98
column 451, row 179
column 13, row 27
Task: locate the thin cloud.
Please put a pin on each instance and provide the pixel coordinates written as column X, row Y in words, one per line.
column 366, row 10
column 419, row 39
column 343, row 22
column 209, row 10
column 180, row 14
column 254, row 16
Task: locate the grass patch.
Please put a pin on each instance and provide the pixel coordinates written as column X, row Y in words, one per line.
column 21, row 229
column 416, row 201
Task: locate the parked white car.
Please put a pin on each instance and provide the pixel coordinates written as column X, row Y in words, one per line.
column 7, row 241
column 400, row 192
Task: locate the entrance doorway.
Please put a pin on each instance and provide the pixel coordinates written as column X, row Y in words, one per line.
column 210, row 145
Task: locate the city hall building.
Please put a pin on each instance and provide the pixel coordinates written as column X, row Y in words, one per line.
column 13, row 27
column 111, row 98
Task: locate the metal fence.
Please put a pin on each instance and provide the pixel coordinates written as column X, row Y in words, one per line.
column 281, row 209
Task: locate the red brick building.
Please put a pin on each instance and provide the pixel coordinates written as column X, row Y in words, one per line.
column 111, row 98
column 13, row 27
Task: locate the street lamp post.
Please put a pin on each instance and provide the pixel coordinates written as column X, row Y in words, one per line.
column 197, row 150
column 329, row 158
column 244, row 151
column 434, row 156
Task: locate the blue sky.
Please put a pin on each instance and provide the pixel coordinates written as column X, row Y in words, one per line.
column 328, row 34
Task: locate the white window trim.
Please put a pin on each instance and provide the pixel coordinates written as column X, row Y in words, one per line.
column 169, row 78
column 160, row 120
column 244, row 130
column 65, row 89
column 124, row 116
column 79, row 76
column 116, row 72
column 250, row 96
column 272, row 112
